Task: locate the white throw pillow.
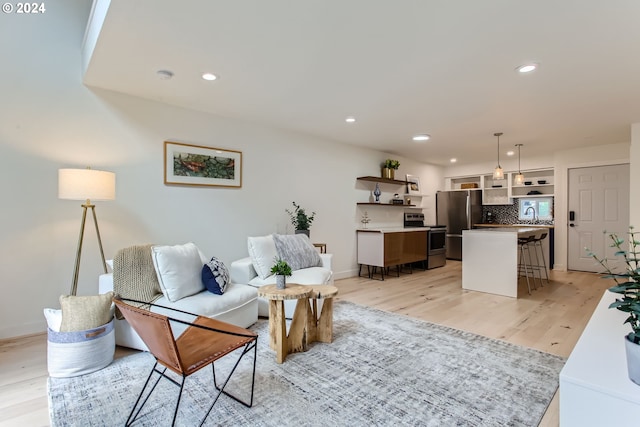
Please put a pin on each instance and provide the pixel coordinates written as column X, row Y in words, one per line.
column 263, row 253
column 178, row 269
column 54, row 318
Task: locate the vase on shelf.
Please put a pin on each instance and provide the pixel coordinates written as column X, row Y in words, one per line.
column 377, row 193
column 388, row 173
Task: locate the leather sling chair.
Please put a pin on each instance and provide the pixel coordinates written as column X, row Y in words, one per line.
column 203, row 342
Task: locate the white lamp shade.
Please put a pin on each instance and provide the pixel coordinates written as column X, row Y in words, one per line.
column 86, row 184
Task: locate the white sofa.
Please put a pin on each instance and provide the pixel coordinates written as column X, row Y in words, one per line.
column 262, row 252
column 238, row 304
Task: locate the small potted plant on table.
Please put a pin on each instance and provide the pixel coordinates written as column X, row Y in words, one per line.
column 389, row 167
column 281, row 269
column 627, row 285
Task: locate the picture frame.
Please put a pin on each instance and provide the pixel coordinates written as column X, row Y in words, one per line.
column 413, row 185
column 187, row 164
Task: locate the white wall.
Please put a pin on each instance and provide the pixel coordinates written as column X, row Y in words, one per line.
column 49, row 120
column 634, row 176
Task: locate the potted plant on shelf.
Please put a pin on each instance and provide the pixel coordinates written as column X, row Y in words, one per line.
column 300, row 220
column 627, row 285
column 389, row 168
column 281, row 269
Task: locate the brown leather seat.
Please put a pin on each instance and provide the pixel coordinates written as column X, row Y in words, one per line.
column 202, row 343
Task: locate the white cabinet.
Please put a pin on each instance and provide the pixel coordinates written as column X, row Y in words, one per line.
column 495, row 191
column 538, row 183
column 595, row 389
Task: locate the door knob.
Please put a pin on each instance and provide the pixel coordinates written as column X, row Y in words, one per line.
column 572, row 225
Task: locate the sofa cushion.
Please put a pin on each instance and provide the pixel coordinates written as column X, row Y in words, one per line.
column 306, row 276
column 297, row 250
column 80, row 313
column 263, row 253
column 211, row 305
column 215, row 276
column 179, row 270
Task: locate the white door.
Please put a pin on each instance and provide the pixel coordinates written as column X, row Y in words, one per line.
column 598, row 206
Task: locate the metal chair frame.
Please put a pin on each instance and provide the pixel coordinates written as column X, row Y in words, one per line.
column 249, row 340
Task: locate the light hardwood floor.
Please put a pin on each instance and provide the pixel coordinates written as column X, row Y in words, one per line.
column 551, row 320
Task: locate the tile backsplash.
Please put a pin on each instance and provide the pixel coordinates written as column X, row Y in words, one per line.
column 506, row 214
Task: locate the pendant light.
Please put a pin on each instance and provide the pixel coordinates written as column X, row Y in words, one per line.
column 498, row 173
column 519, row 179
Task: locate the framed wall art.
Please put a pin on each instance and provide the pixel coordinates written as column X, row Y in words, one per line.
column 413, row 185
column 186, row 164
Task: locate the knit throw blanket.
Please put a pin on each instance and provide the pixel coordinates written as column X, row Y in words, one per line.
column 134, row 276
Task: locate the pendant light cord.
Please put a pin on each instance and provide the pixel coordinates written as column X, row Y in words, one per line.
column 498, row 134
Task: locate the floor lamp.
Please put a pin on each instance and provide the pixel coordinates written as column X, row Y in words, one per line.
column 86, row 184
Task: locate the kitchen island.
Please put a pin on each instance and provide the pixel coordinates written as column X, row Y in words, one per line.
column 490, row 258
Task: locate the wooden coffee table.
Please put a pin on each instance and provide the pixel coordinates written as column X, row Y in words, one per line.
column 297, row 340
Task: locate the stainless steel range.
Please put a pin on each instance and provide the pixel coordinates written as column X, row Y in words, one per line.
column 436, row 239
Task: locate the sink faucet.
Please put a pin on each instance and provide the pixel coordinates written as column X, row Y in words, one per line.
column 526, row 213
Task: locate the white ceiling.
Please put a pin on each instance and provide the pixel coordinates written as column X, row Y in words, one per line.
column 446, row 68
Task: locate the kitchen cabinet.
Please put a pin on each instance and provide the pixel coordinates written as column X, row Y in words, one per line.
column 391, row 247
column 495, row 191
column 540, row 181
column 503, row 191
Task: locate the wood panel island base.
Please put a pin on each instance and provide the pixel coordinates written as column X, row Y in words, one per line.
column 390, row 247
column 490, row 258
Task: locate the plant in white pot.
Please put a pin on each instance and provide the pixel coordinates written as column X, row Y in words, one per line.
column 299, row 218
column 628, row 286
column 281, row 269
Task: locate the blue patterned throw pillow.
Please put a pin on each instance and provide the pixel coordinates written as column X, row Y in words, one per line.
column 215, row 276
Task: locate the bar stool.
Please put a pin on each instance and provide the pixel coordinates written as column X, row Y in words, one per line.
column 537, row 244
column 524, row 265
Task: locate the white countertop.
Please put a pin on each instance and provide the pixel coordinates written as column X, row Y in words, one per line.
column 513, row 225
column 506, row 229
column 392, row 229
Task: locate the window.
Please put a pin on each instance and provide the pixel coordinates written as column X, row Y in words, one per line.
column 539, row 208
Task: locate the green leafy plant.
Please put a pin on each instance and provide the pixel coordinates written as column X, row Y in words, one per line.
column 391, row 164
column 627, row 283
column 281, row 268
column 299, row 218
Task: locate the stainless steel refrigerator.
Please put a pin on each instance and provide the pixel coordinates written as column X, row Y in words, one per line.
column 458, row 210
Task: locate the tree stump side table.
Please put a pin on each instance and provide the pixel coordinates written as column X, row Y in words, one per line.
column 296, row 340
column 320, row 325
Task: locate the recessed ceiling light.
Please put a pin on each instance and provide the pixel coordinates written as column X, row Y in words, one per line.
column 453, row 160
column 527, row 68
column 164, row 74
column 350, row 119
column 421, row 137
column 510, row 153
column 209, row 76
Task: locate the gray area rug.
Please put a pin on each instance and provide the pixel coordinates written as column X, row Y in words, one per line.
column 382, row 369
